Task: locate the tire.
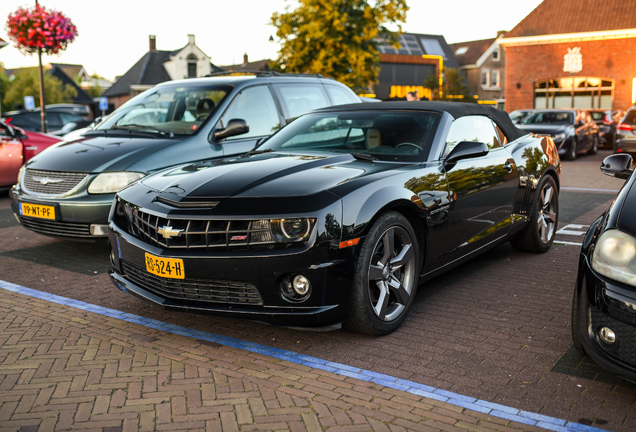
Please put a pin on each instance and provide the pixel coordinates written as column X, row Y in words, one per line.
column 576, row 340
column 594, row 148
column 385, row 277
column 571, row 155
column 538, row 235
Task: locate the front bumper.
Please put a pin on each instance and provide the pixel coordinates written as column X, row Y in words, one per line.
column 602, row 303
column 74, row 215
column 249, row 276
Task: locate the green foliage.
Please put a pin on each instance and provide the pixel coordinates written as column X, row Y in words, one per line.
column 337, row 38
column 27, row 83
column 455, row 88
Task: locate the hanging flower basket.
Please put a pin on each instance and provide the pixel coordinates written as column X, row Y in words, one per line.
column 39, row 27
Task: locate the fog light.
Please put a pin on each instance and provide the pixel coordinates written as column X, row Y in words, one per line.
column 113, row 257
column 99, row 230
column 301, row 285
column 295, row 288
column 607, row 335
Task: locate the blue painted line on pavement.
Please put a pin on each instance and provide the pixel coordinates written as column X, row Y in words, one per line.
column 482, row 406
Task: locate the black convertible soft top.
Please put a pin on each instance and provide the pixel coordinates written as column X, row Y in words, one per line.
column 456, row 109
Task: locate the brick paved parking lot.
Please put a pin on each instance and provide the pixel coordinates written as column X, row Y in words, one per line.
column 497, row 329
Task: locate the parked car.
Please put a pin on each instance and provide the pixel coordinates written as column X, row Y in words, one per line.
column 604, row 304
column 518, row 115
column 16, row 147
column 339, row 216
column 60, row 120
column 573, row 131
column 606, row 120
column 626, row 133
column 172, row 123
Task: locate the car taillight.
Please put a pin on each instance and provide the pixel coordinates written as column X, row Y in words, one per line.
column 8, row 119
column 625, row 127
column 607, row 122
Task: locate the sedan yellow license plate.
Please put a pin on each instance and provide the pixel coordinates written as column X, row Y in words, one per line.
column 37, row 211
column 165, row 267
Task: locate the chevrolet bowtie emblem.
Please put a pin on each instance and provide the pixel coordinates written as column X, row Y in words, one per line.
column 47, row 180
column 168, row 232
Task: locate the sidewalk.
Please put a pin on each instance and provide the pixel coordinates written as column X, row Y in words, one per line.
column 64, row 368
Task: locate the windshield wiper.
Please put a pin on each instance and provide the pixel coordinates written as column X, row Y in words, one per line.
column 143, row 128
column 255, row 152
column 364, row 156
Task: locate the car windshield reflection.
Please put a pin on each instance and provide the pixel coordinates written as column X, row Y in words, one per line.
column 168, row 110
column 395, row 136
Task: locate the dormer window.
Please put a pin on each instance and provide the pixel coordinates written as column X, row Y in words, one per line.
column 192, row 66
column 496, row 54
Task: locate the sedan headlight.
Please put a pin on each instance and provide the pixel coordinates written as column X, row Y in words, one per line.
column 615, row 256
column 113, row 182
column 558, row 137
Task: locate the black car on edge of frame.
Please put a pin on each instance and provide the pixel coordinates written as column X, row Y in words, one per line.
column 604, row 304
column 68, row 190
column 337, row 217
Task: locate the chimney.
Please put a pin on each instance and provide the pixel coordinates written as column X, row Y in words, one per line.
column 152, row 40
column 245, row 58
column 190, row 39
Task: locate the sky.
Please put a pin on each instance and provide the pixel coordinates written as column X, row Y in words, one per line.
column 113, row 34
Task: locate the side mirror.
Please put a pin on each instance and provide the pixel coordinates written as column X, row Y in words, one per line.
column 234, row 127
column 465, row 150
column 618, row 165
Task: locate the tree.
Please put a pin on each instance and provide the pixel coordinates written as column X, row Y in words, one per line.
column 26, row 83
column 337, row 38
column 454, row 88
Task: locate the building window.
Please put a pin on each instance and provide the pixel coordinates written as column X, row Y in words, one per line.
column 485, row 77
column 494, row 78
column 496, row 54
column 192, row 66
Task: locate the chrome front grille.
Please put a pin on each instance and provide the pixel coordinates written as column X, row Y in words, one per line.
column 202, row 234
column 51, row 182
column 226, row 292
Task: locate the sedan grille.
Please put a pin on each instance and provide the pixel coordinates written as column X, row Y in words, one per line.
column 55, row 228
column 202, row 234
column 226, row 292
column 51, row 182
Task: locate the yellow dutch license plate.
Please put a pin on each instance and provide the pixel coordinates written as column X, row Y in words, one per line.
column 37, row 211
column 165, row 267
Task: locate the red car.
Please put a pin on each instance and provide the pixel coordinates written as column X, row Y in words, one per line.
column 17, row 147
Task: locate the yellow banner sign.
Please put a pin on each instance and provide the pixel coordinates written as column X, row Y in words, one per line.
column 401, row 91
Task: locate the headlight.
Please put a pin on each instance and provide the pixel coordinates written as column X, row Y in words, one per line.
column 615, row 256
column 113, row 182
column 558, row 137
column 291, row 230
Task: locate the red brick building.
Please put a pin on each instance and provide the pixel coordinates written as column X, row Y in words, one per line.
column 594, row 41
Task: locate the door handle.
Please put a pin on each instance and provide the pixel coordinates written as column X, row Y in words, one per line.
column 508, row 166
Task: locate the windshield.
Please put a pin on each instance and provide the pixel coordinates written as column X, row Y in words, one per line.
column 390, row 136
column 550, row 117
column 174, row 110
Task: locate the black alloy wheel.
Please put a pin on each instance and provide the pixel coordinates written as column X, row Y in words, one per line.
column 574, row 145
column 576, row 340
column 538, row 235
column 594, row 149
column 385, row 278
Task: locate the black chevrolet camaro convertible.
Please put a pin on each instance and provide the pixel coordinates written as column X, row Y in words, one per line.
column 338, row 217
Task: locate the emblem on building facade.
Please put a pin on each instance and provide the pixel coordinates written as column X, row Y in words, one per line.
column 573, row 60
